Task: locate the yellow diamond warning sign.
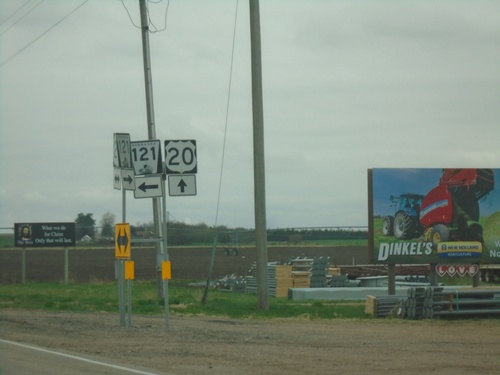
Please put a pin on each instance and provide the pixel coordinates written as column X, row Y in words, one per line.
column 122, row 241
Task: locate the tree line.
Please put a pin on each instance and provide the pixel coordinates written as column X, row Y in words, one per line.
column 183, row 234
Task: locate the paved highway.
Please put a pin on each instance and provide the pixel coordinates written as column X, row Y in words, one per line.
column 24, row 359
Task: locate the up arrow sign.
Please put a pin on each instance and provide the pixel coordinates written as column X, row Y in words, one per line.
column 181, row 184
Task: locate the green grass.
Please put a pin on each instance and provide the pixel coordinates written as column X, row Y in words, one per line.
column 6, row 240
column 103, row 297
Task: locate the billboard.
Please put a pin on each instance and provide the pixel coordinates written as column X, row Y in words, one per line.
column 44, row 234
column 427, row 216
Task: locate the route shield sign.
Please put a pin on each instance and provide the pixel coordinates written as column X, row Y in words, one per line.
column 180, row 156
column 122, row 141
column 122, row 241
column 146, row 157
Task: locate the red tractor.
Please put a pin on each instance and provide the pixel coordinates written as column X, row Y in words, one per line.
column 446, row 211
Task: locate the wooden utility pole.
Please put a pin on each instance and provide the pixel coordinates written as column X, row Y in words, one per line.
column 258, row 157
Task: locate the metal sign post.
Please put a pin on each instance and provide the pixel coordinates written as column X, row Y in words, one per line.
column 128, row 277
column 165, row 265
column 121, row 290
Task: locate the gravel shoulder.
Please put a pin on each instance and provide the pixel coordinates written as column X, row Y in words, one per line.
column 214, row 345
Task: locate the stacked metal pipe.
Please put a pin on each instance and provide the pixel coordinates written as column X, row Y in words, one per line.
column 432, row 302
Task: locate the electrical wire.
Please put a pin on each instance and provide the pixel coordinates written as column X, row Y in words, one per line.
column 216, row 236
column 15, row 12
column 130, row 16
column 156, row 30
column 20, row 18
column 227, row 115
column 41, row 35
column 151, row 26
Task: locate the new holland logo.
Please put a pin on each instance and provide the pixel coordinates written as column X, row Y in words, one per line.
column 466, row 249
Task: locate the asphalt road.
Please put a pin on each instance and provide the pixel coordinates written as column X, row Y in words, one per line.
column 22, row 359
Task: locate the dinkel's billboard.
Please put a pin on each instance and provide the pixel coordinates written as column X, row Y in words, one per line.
column 435, row 215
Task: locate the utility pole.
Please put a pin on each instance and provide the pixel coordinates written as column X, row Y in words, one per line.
column 258, row 157
column 151, row 134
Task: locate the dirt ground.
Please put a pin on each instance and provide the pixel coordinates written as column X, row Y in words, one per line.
column 208, row 345
column 220, row 346
column 98, row 264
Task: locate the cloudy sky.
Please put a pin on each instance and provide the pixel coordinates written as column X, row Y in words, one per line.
column 348, row 86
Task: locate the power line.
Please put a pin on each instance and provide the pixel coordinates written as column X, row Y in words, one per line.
column 227, row 114
column 154, row 29
column 15, row 12
column 130, row 16
column 151, row 21
column 22, row 17
column 41, row 35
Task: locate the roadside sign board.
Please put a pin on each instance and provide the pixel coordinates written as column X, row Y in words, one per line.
column 123, row 147
column 129, row 270
column 166, row 270
column 457, row 269
column 181, row 184
column 128, row 179
column 146, row 157
column 148, row 186
column 44, row 234
column 117, row 178
column 116, row 158
column 122, row 241
column 180, row 156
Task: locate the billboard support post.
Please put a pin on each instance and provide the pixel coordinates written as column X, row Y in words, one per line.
column 476, row 279
column 66, row 266
column 433, row 276
column 391, row 282
column 23, row 266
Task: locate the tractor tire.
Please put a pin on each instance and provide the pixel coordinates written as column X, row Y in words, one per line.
column 388, row 226
column 404, row 226
column 439, row 233
column 475, row 232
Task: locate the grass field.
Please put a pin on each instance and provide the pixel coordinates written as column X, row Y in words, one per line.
column 6, row 240
column 183, row 300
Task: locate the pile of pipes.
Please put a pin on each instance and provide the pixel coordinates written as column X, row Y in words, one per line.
column 430, row 302
column 383, row 306
column 230, row 283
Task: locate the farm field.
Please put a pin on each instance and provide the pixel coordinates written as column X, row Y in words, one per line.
column 191, row 263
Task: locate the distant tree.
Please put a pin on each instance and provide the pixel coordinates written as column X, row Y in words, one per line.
column 295, row 239
column 107, row 224
column 85, row 225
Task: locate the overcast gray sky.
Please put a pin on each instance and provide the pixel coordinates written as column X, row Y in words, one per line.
column 348, row 86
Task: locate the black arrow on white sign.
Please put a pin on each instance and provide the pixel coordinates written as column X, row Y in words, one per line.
column 145, row 187
column 128, row 179
column 182, row 185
